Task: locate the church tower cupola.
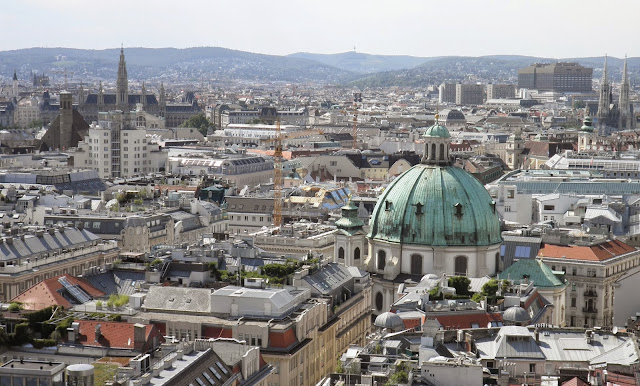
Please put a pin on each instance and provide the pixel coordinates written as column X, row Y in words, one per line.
column 437, row 141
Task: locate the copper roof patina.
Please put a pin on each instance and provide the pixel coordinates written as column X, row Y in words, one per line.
column 436, row 205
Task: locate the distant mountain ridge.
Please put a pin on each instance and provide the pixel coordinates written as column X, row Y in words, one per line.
column 187, row 64
column 349, row 69
column 364, row 63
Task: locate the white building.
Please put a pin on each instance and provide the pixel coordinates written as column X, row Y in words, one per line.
column 118, row 147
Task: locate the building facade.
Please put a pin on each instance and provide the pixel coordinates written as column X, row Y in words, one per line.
column 561, row 76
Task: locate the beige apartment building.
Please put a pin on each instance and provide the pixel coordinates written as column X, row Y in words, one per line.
column 29, row 257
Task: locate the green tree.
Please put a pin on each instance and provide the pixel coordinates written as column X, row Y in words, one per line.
column 490, row 288
column 36, row 124
column 579, row 104
column 461, row 284
column 200, row 122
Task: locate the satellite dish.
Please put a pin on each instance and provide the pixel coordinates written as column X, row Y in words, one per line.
column 615, row 330
column 489, row 325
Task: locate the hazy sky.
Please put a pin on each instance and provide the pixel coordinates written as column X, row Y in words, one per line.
column 551, row 28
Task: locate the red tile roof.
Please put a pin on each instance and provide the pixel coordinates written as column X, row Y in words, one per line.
column 598, row 252
column 452, row 320
column 45, row 293
column 117, row 335
column 216, row 332
column 282, row 339
column 575, row 381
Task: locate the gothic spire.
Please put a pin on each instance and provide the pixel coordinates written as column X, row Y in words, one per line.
column 625, row 117
column 122, row 84
column 605, row 95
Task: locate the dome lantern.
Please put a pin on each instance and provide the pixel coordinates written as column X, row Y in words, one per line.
column 436, row 145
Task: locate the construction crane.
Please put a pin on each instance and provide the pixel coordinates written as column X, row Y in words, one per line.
column 277, row 159
column 277, row 177
column 63, row 71
column 357, row 98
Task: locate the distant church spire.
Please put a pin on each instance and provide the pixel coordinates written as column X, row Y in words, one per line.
column 605, row 93
column 143, row 97
column 122, row 84
column 625, row 121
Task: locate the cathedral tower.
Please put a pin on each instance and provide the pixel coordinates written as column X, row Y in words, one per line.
column 122, row 85
column 604, row 102
column 624, row 121
column 162, row 101
column 15, row 84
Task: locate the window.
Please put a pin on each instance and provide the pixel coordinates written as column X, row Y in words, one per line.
column 573, row 302
column 340, row 253
column 416, row 264
column 532, row 367
column 356, row 254
column 333, row 163
column 510, row 193
column 382, row 259
column 502, row 249
column 523, row 252
column 574, row 271
column 507, row 208
column 549, row 207
column 379, row 300
column 460, row 266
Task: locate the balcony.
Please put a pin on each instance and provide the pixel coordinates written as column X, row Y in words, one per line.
column 589, row 310
column 590, row 293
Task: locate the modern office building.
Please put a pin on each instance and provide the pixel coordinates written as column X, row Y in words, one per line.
column 561, row 76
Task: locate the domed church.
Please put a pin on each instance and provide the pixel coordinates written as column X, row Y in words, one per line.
column 434, row 218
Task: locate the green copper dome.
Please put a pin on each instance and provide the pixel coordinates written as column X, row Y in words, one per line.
column 349, row 221
column 436, row 205
column 587, row 125
column 437, row 131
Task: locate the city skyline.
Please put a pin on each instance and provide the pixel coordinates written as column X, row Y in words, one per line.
column 410, row 28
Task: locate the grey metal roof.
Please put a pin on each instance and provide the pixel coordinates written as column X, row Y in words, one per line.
column 560, row 345
column 116, row 282
column 331, row 277
column 32, row 245
column 587, row 187
column 626, row 354
column 510, row 342
column 178, row 299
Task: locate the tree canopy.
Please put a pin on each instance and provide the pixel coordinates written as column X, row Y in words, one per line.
column 200, row 122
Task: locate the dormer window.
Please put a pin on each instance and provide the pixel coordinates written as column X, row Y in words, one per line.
column 419, row 208
column 387, row 205
column 458, row 207
column 493, row 206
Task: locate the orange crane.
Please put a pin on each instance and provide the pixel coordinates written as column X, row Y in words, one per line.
column 277, row 177
column 277, row 160
column 357, row 98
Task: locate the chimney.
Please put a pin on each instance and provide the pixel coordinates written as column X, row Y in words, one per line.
column 98, row 332
column 139, row 336
column 537, row 333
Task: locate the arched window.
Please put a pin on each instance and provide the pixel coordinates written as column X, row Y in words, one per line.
column 379, row 300
column 433, row 151
column 442, row 151
column 341, row 253
column 426, row 152
column 382, row 259
column 356, row 254
column 416, row 264
column 460, row 266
